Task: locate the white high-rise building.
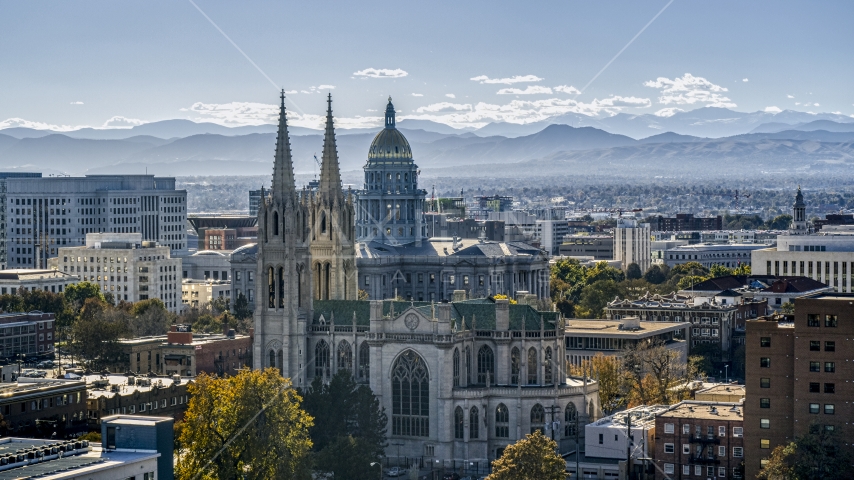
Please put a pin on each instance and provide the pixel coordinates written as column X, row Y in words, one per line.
column 632, row 243
column 125, row 266
column 43, row 214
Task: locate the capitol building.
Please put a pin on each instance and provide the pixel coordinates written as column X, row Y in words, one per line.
column 461, row 375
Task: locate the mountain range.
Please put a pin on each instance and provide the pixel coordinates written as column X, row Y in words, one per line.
column 182, row 147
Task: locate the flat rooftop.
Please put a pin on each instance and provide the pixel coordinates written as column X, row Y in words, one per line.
column 111, row 385
column 613, row 327
column 33, row 385
column 643, row 415
column 723, row 389
column 696, row 409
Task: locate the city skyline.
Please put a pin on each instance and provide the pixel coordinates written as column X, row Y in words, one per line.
column 104, row 65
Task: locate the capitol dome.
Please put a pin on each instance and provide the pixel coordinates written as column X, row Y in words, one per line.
column 390, row 144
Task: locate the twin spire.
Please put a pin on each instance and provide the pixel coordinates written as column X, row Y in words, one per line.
column 284, row 183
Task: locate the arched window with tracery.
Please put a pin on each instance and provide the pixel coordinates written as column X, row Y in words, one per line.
column 502, row 421
column 410, row 396
column 468, row 365
column 515, row 366
column 459, row 423
column 485, row 365
column 275, row 223
column 281, row 361
column 538, row 418
column 532, row 366
column 570, row 415
column 281, row 280
column 474, row 423
column 272, row 359
column 456, row 367
column 547, row 367
column 345, row 356
column 364, row 361
column 321, row 359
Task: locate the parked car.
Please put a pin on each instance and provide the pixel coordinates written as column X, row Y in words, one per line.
column 395, row 472
column 45, row 364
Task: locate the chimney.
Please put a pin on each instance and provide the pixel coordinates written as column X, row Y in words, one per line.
column 444, row 322
column 459, row 295
column 502, row 314
column 180, row 335
column 376, row 316
column 520, row 296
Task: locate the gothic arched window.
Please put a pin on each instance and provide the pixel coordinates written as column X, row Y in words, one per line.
column 485, row 365
column 468, row 365
column 281, row 287
column 502, row 421
column 275, row 223
column 364, row 361
column 459, row 423
column 323, row 222
column 515, row 366
column 474, row 425
column 410, row 396
column 271, row 285
column 532, row 366
column 321, row 359
column 547, row 364
column 456, row 367
column 570, row 414
column 345, row 356
column 281, row 362
column 272, row 359
column 538, row 418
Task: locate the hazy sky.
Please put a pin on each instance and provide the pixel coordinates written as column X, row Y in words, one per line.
column 93, row 63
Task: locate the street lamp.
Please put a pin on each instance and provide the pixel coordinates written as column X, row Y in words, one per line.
column 380, row 465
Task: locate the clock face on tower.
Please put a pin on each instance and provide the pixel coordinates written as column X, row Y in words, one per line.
column 411, row 321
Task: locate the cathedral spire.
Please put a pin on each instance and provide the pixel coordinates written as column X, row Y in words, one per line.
column 283, row 168
column 330, row 175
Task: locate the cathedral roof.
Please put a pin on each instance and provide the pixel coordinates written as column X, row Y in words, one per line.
column 476, row 313
column 444, row 247
column 390, row 144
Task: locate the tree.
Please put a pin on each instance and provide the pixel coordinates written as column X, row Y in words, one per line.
column 147, row 318
column 349, row 424
column 817, row 455
column 718, row 270
column 596, row 297
column 652, row 370
column 95, row 335
column 654, row 275
column 241, row 307
column 247, row 426
column 532, row 457
column 76, row 294
column 780, row 222
column 787, row 308
column 608, row 373
column 633, row 271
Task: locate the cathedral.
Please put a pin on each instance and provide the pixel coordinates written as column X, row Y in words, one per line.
column 460, row 376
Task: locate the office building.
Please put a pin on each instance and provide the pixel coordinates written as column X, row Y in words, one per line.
column 45, row 214
column 244, row 264
column 630, row 433
column 224, row 232
column 798, row 373
column 254, row 200
column 29, row 279
column 195, row 293
column 442, row 226
column 585, row 338
column 713, row 320
column 632, row 243
column 141, row 435
column 27, row 335
column 206, row 265
column 700, row 439
column 125, row 267
column 600, row 247
column 685, row 221
column 728, row 255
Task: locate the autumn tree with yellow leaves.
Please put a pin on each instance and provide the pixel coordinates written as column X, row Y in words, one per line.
column 531, row 458
column 248, row 426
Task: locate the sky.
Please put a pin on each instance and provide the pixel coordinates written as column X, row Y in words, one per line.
column 65, row 65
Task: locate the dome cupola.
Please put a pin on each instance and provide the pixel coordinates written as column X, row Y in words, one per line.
column 390, row 144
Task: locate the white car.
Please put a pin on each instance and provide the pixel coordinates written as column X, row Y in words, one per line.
column 395, row 472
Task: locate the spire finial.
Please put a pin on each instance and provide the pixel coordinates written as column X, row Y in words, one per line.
column 330, row 175
column 283, row 169
column 389, row 114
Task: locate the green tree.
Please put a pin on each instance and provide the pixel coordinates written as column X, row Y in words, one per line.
column 241, row 307
column 247, row 426
column 95, row 335
column 718, row 270
column 532, row 457
column 350, row 423
column 147, row 318
column 596, row 296
column 787, row 308
column 633, row 271
column 76, row 294
column 654, row 275
column 780, row 222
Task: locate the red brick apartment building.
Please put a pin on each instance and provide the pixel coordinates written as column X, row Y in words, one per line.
column 799, row 375
column 695, row 439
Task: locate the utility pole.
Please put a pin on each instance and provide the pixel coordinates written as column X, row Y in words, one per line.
column 577, row 462
column 552, row 425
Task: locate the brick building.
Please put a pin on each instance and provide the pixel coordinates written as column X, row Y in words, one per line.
column 185, row 353
column 798, row 375
column 135, row 395
column 696, row 439
column 28, row 334
column 41, row 406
